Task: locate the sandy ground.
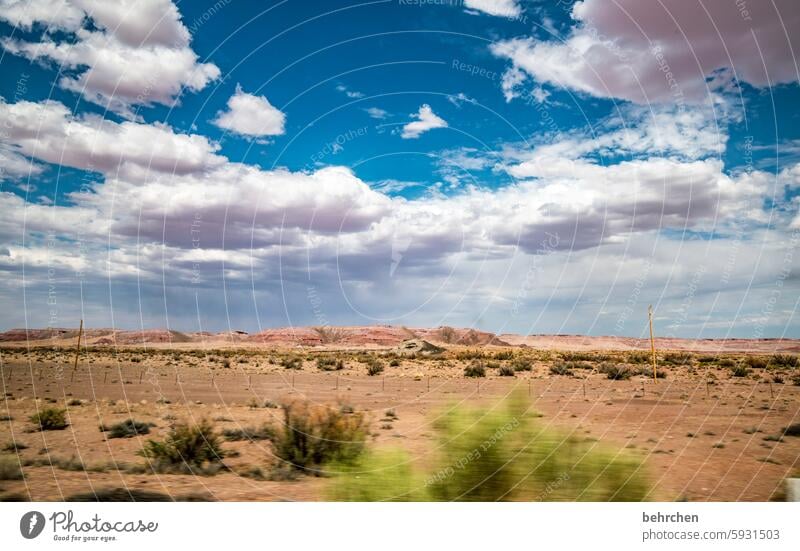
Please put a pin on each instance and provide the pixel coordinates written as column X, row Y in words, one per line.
column 701, row 442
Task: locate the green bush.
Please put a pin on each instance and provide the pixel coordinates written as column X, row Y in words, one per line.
column 374, row 367
column 10, row 468
column 615, row 372
column 265, row 432
column 314, row 435
column 522, row 364
column 383, row 475
column 638, row 357
column 50, row 419
column 475, row 369
column 678, row 358
column 128, row 429
column 185, row 445
column 329, row 364
column 561, row 369
column 740, row 370
column 499, row 454
column 506, row 371
column 784, row 360
column 647, row 371
column 292, row 362
column 756, row 362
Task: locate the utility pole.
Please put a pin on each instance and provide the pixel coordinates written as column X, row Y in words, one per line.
column 78, row 348
column 652, row 342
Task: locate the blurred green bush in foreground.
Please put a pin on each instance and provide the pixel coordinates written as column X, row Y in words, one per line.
column 501, row 454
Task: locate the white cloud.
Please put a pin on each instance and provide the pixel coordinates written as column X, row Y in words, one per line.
column 377, row 112
column 136, row 54
column 426, row 120
column 171, row 205
column 14, row 165
column 502, row 8
column 53, row 14
column 49, row 132
column 352, row 94
column 635, row 51
column 511, row 83
column 251, row 116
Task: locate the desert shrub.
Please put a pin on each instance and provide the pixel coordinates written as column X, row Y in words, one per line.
column 783, row 360
column 475, row 369
column 493, row 365
column 185, row 445
column 470, row 355
column 506, row 371
column 329, row 364
column 265, row 432
column 792, row 430
column 75, row 402
column 50, row 419
column 394, row 363
column 647, row 371
column 522, row 364
column 755, row 362
column 10, row 468
column 128, row 429
column 315, row 435
column 637, row 357
column 14, row 447
column 726, row 362
column 504, row 355
column 706, row 359
column 677, row 358
column 292, row 362
column 561, row 369
column 614, row 371
column 503, row 454
column 740, row 370
column 374, row 367
column 778, row 380
column 382, row 475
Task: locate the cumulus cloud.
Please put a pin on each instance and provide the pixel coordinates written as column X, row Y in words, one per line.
column 502, row 8
column 121, row 54
column 426, row 120
column 673, row 51
column 189, row 210
column 251, row 116
column 49, row 132
column 52, row 14
column 13, row 165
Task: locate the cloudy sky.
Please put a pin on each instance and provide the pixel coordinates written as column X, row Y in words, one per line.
column 508, row 165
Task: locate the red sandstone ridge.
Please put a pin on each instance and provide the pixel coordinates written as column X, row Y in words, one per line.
column 382, row 336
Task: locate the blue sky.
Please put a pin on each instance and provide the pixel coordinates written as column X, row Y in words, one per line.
column 510, row 165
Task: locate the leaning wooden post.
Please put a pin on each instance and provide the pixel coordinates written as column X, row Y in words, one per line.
column 78, row 348
column 652, row 342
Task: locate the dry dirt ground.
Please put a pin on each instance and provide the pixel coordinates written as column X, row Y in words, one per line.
column 706, row 434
